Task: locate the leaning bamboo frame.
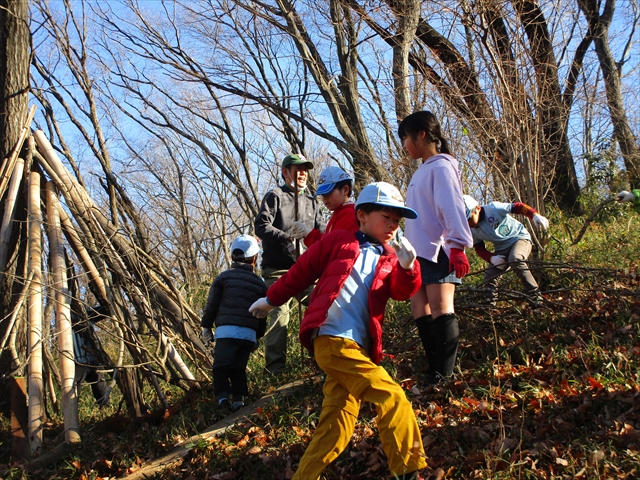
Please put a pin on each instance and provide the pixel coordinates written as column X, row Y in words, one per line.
column 34, row 315
column 173, row 305
column 87, row 209
column 64, row 331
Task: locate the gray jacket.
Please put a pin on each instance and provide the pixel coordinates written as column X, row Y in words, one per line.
column 231, row 295
column 277, row 213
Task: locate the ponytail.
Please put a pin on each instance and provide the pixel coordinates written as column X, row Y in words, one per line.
column 444, row 146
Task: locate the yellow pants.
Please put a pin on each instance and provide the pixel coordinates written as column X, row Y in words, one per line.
column 353, row 378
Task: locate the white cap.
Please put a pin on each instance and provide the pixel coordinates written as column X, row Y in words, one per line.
column 470, row 204
column 386, row 195
column 328, row 179
column 248, row 245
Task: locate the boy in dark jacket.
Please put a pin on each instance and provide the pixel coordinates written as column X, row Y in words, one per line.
column 237, row 331
column 357, row 273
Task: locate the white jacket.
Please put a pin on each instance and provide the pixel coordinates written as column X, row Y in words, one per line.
column 435, row 193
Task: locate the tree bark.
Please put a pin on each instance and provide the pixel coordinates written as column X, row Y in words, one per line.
column 14, row 86
column 599, row 30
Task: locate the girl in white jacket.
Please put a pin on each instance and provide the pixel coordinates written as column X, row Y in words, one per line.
column 439, row 235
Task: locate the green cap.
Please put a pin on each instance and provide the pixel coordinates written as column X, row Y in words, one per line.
column 296, row 159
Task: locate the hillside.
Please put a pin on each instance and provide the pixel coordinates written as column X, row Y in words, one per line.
column 543, row 391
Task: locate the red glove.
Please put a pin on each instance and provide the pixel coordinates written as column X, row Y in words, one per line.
column 458, row 262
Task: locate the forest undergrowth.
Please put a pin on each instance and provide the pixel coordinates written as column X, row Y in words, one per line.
column 543, row 390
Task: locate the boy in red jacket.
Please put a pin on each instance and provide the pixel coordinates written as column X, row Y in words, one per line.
column 358, row 272
column 334, row 186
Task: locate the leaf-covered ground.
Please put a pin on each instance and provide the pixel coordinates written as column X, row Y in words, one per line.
column 543, row 391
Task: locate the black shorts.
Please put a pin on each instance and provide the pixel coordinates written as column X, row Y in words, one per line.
column 437, row 272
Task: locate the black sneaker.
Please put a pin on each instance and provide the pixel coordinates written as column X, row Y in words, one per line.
column 225, row 404
column 431, row 379
column 238, row 405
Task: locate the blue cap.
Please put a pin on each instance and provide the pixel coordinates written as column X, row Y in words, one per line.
column 386, row 195
column 248, row 244
column 470, row 204
column 328, row 179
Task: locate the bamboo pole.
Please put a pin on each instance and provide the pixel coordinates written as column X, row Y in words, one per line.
column 9, row 213
column 34, row 315
column 63, row 318
column 16, row 311
column 9, row 162
column 85, row 259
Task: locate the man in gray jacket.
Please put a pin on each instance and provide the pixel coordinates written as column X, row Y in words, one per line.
column 277, row 213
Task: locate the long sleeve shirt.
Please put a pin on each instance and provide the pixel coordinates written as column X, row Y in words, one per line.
column 500, row 228
column 435, row 193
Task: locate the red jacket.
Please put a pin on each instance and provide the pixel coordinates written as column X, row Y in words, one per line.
column 343, row 218
column 330, row 260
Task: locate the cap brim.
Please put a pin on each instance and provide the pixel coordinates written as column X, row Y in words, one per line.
column 406, row 212
column 308, row 164
column 409, row 213
column 325, row 188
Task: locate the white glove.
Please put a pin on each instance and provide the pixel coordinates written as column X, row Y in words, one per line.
column 207, row 336
column 498, row 261
column 291, row 247
column 540, row 221
column 261, row 308
column 298, row 230
column 404, row 251
column 625, row 196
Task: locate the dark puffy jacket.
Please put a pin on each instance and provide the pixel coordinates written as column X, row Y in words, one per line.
column 277, row 213
column 231, row 295
column 331, row 260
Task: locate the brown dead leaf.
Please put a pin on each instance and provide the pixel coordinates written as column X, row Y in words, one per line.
column 254, row 450
column 299, row 431
column 244, row 441
column 428, row 440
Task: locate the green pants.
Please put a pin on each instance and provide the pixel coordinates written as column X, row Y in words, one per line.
column 275, row 341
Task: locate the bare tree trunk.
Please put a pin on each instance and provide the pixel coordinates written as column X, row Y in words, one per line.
column 14, row 85
column 408, row 15
column 599, row 30
column 34, row 316
column 63, row 318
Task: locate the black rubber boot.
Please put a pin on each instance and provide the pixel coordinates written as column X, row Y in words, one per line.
column 447, row 335
column 427, row 332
